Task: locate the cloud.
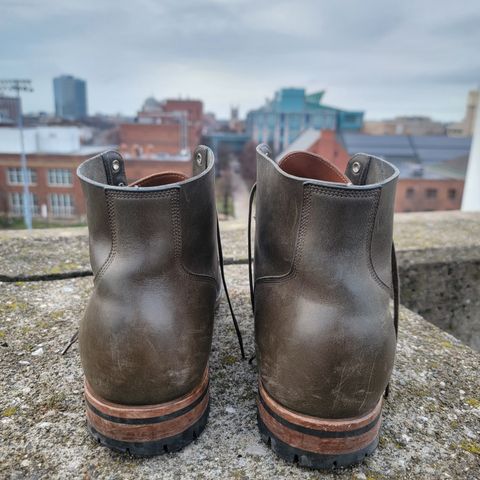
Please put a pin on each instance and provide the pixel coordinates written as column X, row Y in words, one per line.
column 387, row 58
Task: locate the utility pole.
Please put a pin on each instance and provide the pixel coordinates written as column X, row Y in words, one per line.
column 18, row 86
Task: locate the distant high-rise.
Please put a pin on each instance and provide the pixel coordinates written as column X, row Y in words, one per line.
column 9, row 109
column 70, row 97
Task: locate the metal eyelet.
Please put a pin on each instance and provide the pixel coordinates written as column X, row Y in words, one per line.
column 356, row 167
column 116, row 165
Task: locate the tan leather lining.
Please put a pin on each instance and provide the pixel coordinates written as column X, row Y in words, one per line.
column 309, row 165
column 157, row 179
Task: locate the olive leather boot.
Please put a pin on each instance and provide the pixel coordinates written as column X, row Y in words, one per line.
column 325, row 337
column 146, row 334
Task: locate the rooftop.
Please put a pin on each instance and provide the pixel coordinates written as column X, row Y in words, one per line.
column 296, row 100
column 431, row 156
column 53, row 140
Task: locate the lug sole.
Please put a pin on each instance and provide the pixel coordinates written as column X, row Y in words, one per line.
column 151, row 429
column 317, row 442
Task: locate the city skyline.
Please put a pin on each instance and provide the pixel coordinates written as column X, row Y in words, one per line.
column 414, row 59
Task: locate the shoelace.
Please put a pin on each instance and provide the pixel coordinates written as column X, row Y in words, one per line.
column 230, row 306
column 250, row 259
column 222, row 272
column 395, row 275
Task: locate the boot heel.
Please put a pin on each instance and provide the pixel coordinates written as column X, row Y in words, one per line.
column 150, row 429
column 316, row 442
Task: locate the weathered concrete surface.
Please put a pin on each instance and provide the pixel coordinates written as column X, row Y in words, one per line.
column 431, row 423
column 438, row 253
column 43, row 251
column 439, row 262
column 57, row 251
column 420, row 238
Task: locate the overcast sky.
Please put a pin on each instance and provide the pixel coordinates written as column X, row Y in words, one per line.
column 385, row 57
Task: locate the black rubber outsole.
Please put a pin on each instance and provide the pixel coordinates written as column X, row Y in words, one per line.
column 158, row 447
column 309, row 459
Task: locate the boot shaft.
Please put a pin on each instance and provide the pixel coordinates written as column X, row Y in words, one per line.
column 154, row 220
column 323, row 222
column 325, row 338
column 146, row 334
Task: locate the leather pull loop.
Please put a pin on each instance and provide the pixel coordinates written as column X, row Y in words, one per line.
column 357, row 169
column 114, row 166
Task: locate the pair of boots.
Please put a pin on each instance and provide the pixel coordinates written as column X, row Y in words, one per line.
column 322, row 279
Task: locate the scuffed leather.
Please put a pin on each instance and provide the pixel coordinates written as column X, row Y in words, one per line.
column 279, row 203
column 146, row 334
column 325, row 337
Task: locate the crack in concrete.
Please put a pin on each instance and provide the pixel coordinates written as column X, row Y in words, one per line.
column 47, row 277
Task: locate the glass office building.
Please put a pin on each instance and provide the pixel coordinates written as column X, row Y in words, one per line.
column 281, row 120
column 70, row 97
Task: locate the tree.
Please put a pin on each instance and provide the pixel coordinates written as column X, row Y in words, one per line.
column 248, row 163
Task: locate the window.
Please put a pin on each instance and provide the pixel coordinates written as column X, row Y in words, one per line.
column 59, row 176
column 350, row 118
column 15, row 176
column 431, row 193
column 452, row 194
column 16, row 204
column 410, row 193
column 61, row 205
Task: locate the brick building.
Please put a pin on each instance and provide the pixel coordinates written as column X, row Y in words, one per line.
column 428, row 194
column 55, row 190
column 194, row 109
column 171, row 128
column 53, row 155
column 432, row 168
column 405, row 126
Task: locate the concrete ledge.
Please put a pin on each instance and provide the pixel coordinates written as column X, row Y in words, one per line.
column 420, row 238
column 438, row 253
column 439, row 262
column 431, row 423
